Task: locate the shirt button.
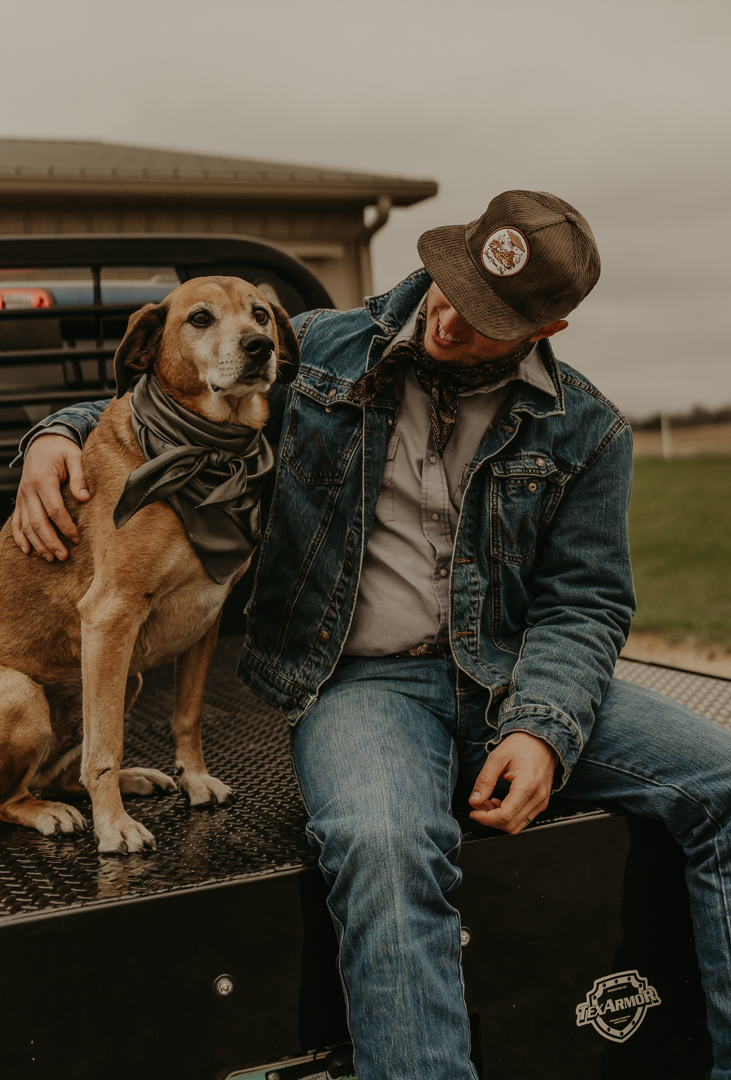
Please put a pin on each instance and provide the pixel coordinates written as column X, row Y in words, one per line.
column 540, row 462
column 291, row 702
column 323, row 636
column 435, row 517
column 433, row 459
column 443, row 573
column 348, row 567
column 532, row 487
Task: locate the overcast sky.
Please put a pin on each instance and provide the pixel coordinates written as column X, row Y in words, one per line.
column 620, row 107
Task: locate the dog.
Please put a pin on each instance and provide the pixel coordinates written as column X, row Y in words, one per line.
column 75, row 636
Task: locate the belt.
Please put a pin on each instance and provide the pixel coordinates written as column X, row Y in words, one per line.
column 425, row 650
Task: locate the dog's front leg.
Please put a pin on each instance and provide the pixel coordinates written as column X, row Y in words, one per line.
column 191, row 668
column 110, row 622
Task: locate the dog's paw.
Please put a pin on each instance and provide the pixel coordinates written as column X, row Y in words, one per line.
column 204, row 790
column 58, row 819
column 145, row 782
column 123, row 837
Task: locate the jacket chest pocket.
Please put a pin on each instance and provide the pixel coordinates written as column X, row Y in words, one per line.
column 320, row 442
column 524, row 494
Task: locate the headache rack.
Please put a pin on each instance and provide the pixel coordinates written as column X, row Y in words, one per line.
column 65, row 302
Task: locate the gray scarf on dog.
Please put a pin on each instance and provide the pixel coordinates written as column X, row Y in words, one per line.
column 212, row 475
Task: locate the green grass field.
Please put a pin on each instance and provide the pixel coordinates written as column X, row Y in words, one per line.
column 680, row 533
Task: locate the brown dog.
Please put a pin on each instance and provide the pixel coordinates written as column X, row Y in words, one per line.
column 76, row 635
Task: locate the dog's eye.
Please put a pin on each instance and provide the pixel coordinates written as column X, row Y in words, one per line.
column 261, row 315
column 200, row 318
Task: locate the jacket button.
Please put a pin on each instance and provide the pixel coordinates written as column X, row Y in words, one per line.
column 347, row 567
column 323, row 636
column 540, row 462
column 532, row 487
column 331, row 393
column 291, row 702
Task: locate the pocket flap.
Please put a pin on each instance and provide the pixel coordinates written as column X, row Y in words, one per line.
column 529, row 466
column 393, row 446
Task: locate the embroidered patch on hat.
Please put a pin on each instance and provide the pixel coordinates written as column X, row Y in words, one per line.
column 505, row 252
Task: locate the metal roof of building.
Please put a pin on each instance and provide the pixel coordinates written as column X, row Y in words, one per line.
column 40, row 167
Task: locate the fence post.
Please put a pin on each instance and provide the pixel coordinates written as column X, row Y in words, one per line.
column 667, row 439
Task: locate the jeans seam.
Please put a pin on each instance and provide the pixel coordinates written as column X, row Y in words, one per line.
column 464, row 1003
column 341, row 934
column 723, row 892
column 655, row 783
column 458, row 844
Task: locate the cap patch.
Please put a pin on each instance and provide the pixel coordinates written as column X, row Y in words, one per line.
column 505, row 252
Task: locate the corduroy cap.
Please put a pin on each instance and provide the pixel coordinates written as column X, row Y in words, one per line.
column 528, row 261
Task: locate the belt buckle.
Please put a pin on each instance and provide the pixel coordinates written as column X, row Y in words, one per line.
column 425, row 649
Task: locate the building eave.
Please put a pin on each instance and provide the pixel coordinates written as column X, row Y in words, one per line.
column 29, row 184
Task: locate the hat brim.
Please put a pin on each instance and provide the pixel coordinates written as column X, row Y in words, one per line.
column 448, row 262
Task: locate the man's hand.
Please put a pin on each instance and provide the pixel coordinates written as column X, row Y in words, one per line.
column 528, row 763
column 51, row 460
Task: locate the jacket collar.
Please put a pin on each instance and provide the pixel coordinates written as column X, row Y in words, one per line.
column 391, row 310
column 530, row 399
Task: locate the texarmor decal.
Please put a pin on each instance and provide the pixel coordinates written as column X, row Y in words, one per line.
column 616, row 1005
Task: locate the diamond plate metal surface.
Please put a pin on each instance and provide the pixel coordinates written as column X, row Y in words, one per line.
column 705, row 694
column 246, row 744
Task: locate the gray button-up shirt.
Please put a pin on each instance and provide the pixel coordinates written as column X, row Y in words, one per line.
column 403, row 594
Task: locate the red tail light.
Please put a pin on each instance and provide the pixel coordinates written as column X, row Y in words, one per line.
column 13, row 299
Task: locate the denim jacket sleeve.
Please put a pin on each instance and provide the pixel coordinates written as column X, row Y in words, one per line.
column 83, row 418
column 581, row 611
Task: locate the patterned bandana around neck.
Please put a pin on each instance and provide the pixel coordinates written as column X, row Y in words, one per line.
column 443, row 382
column 212, row 475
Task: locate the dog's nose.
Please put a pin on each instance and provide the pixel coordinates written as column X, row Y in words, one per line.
column 258, row 346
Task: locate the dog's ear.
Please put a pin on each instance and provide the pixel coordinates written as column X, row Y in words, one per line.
column 139, row 348
column 288, row 361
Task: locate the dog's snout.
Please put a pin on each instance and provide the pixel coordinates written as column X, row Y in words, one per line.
column 258, row 346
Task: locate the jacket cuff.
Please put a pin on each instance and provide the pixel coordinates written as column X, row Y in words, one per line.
column 554, row 727
column 57, row 427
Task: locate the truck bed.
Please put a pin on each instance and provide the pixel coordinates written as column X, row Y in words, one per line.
column 235, row 891
column 246, row 745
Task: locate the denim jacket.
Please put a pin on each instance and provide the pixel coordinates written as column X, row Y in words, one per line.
column 541, row 595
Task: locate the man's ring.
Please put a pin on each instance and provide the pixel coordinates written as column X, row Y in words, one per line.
column 527, row 821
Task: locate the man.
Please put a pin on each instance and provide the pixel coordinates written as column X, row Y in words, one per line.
column 444, row 586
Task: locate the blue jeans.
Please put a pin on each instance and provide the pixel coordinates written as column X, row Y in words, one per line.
column 377, row 759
